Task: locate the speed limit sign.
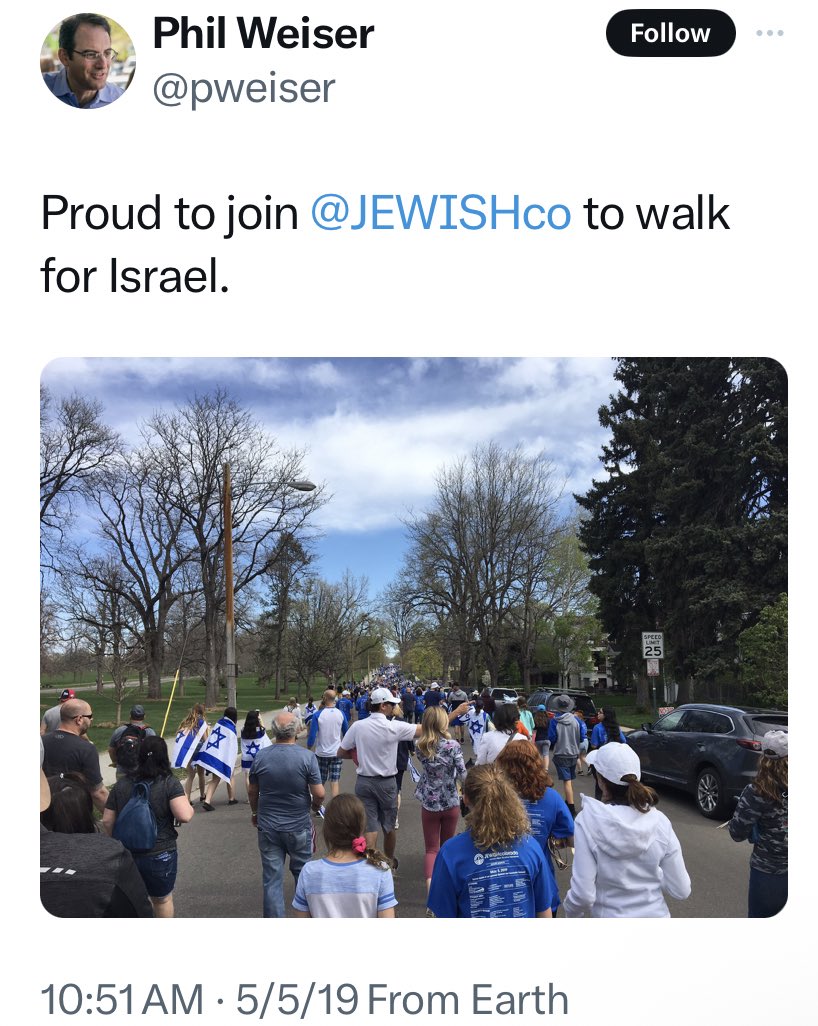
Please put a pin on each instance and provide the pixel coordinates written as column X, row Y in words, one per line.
column 653, row 645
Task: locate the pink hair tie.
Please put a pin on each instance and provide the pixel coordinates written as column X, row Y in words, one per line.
column 359, row 845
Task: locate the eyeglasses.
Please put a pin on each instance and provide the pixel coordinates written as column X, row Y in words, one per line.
column 92, row 55
column 84, row 716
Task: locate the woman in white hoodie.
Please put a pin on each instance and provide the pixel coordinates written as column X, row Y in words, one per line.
column 627, row 856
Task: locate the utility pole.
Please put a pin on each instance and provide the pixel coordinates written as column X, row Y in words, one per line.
column 229, row 615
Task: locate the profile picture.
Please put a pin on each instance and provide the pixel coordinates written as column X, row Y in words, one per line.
column 87, row 61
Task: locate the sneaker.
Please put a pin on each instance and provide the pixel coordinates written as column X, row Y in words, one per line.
column 233, row 801
column 207, row 806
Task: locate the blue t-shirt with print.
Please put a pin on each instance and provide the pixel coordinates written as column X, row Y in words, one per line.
column 550, row 817
column 508, row 882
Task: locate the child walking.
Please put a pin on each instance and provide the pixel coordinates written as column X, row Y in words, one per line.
column 352, row 881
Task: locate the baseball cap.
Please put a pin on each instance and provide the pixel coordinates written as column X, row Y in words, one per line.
column 381, row 695
column 775, row 744
column 138, row 712
column 67, row 693
column 345, row 692
column 614, row 761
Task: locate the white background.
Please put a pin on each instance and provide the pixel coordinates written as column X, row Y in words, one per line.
column 449, row 97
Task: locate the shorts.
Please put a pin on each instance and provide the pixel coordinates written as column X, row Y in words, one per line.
column 329, row 767
column 583, row 747
column 380, row 800
column 158, row 872
column 566, row 766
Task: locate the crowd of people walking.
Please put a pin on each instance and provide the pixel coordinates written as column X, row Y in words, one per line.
column 496, row 830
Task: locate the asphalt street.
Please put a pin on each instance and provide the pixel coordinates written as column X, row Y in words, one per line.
column 220, row 871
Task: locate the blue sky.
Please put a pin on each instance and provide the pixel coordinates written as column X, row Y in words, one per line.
column 376, row 430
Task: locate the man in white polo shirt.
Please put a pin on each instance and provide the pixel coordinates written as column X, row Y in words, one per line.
column 375, row 741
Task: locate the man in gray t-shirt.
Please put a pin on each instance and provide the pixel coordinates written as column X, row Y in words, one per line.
column 285, row 784
column 51, row 717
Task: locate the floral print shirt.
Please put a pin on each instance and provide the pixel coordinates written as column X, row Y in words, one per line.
column 437, row 787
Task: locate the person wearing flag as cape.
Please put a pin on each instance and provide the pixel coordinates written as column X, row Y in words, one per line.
column 190, row 739
column 219, row 757
column 253, row 739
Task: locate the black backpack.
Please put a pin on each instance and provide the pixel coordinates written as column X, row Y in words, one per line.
column 127, row 747
column 136, row 826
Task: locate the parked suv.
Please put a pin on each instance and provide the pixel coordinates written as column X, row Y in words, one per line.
column 501, row 694
column 582, row 701
column 711, row 751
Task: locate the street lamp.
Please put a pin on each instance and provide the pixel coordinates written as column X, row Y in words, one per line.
column 229, row 615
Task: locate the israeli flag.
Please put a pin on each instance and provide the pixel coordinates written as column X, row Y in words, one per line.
column 185, row 745
column 413, row 771
column 220, row 751
column 476, row 722
column 251, row 746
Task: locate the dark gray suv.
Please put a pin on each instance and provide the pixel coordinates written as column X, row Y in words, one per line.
column 712, row 751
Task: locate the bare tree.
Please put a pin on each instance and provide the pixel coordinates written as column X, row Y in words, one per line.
column 94, row 597
column 143, row 531
column 49, row 630
column 481, row 550
column 74, row 447
column 329, row 625
column 288, row 564
column 401, row 620
column 193, row 443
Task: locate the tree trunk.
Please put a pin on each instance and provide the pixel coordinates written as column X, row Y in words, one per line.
column 211, row 660
column 153, row 664
column 686, row 685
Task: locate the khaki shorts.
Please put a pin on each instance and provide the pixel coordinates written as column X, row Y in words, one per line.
column 380, row 799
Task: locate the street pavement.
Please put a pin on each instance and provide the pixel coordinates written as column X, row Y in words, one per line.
column 220, row 870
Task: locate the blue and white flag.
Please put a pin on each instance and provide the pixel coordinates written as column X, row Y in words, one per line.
column 477, row 724
column 413, row 771
column 251, row 746
column 220, row 750
column 185, row 745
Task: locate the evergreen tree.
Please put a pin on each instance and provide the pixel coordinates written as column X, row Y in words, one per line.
column 688, row 532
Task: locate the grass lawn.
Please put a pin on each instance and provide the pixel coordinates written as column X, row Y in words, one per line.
column 626, row 709
column 248, row 696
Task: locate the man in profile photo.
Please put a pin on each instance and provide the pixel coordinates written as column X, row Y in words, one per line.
column 86, row 56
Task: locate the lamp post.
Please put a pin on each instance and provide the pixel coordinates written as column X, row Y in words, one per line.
column 229, row 614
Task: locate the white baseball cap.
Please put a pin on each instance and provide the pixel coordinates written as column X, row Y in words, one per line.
column 381, row 695
column 614, row 761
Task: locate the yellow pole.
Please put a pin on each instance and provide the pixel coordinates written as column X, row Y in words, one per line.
column 170, row 701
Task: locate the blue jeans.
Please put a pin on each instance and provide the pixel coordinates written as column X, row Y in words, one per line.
column 768, row 894
column 274, row 846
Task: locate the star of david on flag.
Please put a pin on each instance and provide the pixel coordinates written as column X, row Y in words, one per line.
column 185, row 745
column 222, row 748
column 250, row 747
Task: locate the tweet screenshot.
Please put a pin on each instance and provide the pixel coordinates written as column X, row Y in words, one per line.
column 411, row 385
